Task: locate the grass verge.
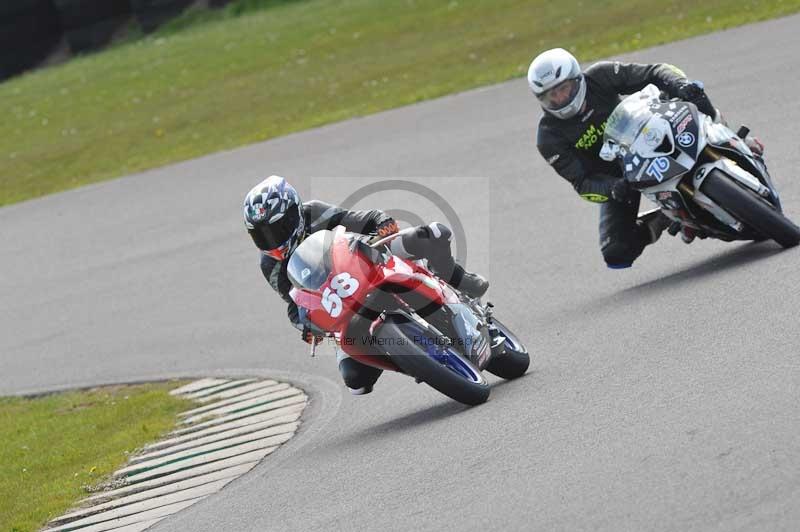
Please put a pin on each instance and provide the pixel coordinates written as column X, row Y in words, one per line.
column 55, row 444
column 228, row 81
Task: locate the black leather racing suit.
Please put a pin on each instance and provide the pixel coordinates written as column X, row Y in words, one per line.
column 572, row 148
column 431, row 242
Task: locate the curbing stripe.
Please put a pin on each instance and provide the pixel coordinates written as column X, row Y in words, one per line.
column 139, row 527
column 243, row 421
column 195, row 386
column 220, row 388
column 166, row 469
column 235, row 400
column 244, row 405
column 227, row 394
column 267, row 407
column 143, row 506
column 164, row 511
column 272, row 415
column 210, row 449
column 229, row 474
column 247, row 459
column 219, row 437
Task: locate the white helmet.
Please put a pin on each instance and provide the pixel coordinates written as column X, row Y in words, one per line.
column 556, row 79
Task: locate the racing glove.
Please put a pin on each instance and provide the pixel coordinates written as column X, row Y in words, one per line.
column 695, row 93
column 621, row 191
column 389, row 227
column 691, row 91
column 308, row 333
column 309, row 336
column 384, row 229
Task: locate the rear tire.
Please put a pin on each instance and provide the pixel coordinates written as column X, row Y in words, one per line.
column 747, row 207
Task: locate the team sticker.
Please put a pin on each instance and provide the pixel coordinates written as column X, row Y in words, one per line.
column 686, row 139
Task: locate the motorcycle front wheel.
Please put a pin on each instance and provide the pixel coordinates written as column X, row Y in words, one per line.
column 514, row 362
column 749, row 208
column 417, row 352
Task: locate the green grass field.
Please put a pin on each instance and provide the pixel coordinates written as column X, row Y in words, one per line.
column 53, row 445
column 203, row 87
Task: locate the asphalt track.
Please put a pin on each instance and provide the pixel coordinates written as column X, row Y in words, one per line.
column 664, row 397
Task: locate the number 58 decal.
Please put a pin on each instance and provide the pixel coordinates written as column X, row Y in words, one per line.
column 344, row 285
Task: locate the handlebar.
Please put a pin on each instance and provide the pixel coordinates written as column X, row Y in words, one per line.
column 383, row 241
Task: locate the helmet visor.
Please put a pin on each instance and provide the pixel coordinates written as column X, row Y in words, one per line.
column 278, row 232
column 561, row 95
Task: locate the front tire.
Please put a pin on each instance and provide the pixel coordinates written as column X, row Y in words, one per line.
column 746, row 206
column 515, row 361
column 468, row 386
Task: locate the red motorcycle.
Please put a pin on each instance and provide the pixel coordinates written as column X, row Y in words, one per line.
column 394, row 314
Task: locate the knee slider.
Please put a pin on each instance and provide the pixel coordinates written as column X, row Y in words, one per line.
column 439, row 231
column 357, row 375
column 618, row 255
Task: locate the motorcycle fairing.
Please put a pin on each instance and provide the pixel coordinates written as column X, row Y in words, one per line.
column 373, row 271
column 666, row 147
column 723, row 139
column 650, row 172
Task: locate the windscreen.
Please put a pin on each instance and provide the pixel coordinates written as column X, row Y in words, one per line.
column 310, row 264
column 627, row 120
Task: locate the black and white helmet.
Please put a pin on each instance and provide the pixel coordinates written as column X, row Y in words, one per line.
column 556, row 79
column 273, row 215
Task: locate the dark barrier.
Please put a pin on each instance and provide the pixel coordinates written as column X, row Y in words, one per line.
column 29, row 30
column 90, row 24
column 152, row 13
column 9, row 8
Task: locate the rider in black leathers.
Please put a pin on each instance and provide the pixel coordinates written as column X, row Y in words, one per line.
column 278, row 220
column 577, row 104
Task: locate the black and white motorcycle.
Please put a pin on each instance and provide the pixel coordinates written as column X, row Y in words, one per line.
column 698, row 171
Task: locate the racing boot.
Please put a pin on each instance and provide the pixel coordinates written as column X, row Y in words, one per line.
column 654, row 223
column 471, row 284
column 359, row 378
column 687, row 235
column 755, row 145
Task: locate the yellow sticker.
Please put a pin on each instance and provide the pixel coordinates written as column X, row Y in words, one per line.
column 675, row 69
column 595, row 198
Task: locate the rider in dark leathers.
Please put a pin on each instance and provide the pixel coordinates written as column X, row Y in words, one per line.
column 278, row 220
column 577, row 104
column 431, row 242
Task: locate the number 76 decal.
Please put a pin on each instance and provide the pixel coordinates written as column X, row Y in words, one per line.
column 657, row 168
column 344, row 286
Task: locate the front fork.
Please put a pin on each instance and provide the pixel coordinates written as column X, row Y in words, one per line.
column 498, row 341
column 735, row 172
column 729, row 167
